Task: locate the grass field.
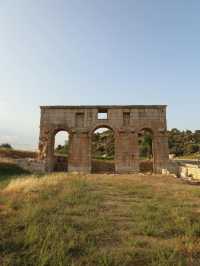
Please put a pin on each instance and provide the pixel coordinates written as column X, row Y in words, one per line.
column 61, row 219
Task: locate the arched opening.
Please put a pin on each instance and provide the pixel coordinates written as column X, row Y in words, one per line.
column 61, row 150
column 146, row 153
column 103, row 150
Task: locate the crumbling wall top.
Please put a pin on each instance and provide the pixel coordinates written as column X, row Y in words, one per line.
column 104, row 107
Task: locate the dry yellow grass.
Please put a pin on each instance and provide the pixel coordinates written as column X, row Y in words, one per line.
column 112, row 220
column 33, row 183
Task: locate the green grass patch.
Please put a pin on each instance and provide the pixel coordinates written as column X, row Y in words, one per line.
column 9, row 170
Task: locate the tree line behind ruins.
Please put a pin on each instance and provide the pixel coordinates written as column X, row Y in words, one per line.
column 181, row 143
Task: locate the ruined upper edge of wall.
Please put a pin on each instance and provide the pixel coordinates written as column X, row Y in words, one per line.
column 104, row 107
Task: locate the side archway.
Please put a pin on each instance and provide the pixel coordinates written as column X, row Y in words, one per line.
column 146, row 150
column 61, row 144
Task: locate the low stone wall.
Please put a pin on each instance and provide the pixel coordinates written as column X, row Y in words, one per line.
column 183, row 170
column 101, row 166
column 146, row 166
column 190, row 170
column 171, row 169
column 31, row 165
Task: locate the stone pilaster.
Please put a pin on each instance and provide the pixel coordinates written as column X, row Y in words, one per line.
column 161, row 152
column 79, row 153
column 126, row 152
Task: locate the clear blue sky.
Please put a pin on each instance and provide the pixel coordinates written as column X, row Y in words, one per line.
column 67, row 52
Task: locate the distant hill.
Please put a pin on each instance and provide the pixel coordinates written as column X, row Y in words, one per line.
column 16, row 154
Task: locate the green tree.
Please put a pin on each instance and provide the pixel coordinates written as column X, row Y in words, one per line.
column 62, row 149
column 6, row 146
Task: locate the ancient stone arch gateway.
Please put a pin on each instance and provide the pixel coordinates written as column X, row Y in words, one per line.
column 126, row 123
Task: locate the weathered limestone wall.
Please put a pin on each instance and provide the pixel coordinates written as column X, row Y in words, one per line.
column 31, row 165
column 126, row 123
column 190, row 170
column 184, row 170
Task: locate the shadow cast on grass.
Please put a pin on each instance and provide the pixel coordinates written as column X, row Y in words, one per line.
column 10, row 170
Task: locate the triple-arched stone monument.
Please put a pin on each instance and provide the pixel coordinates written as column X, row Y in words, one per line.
column 126, row 121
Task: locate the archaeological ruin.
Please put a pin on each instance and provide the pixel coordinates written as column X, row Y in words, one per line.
column 125, row 121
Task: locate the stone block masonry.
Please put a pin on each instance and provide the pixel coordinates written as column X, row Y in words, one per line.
column 126, row 122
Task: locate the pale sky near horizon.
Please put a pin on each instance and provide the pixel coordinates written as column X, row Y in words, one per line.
column 73, row 52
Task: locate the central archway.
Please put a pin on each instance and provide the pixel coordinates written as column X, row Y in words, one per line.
column 103, row 150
